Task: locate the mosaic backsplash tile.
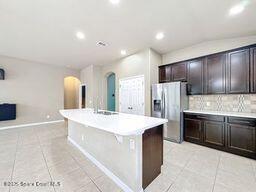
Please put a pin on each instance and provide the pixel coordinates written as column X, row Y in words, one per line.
column 229, row 103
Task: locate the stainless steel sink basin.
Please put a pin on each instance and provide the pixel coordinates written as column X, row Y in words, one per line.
column 106, row 113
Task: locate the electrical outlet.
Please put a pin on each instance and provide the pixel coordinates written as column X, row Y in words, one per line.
column 48, row 117
column 132, row 144
column 83, row 137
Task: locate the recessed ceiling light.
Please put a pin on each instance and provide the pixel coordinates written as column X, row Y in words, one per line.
column 238, row 8
column 80, row 35
column 115, row 2
column 123, row 52
column 159, row 35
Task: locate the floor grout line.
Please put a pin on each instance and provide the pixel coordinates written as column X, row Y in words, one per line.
column 85, row 171
column 14, row 158
column 18, row 141
column 44, row 158
column 181, row 171
column 216, row 173
column 253, row 170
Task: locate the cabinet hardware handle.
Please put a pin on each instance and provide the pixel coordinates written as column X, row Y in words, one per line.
column 201, row 117
column 242, row 122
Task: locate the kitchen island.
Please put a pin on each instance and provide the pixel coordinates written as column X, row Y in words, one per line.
column 128, row 148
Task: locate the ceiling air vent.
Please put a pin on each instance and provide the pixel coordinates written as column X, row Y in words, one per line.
column 102, row 44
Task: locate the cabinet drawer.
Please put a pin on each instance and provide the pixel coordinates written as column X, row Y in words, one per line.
column 205, row 117
column 242, row 121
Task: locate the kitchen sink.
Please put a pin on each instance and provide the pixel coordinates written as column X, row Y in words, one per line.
column 106, row 113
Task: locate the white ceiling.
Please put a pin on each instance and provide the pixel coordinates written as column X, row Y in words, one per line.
column 44, row 30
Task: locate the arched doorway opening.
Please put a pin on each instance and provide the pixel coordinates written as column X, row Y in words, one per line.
column 111, row 95
column 71, row 92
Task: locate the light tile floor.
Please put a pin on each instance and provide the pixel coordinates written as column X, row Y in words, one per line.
column 43, row 154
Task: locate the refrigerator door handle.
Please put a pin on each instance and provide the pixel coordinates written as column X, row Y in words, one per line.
column 165, row 107
column 162, row 104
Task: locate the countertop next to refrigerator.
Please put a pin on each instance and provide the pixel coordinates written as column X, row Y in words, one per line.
column 223, row 113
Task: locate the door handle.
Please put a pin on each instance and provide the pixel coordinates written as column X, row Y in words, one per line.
column 162, row 104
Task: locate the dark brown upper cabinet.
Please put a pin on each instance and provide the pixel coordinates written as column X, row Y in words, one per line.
column 230, row 72
column 179, row 72
column 253, row 69
column 165, row 74
column 214, row 74
column 195, row 76
column 238, row 69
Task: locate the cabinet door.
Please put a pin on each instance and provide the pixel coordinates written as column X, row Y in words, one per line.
column 253, row 69
column 215, row 74
column 195, row 77
column 179, row 72
column 214, row 133
column 164, row 74
column 241, row 139
column 192, row 130
column 238, row 71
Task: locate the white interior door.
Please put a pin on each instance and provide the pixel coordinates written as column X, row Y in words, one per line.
column 132, row 95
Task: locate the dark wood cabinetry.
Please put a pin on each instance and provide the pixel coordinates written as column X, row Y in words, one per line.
column 193, row 131
column 179, row 72
column 214, row 133
column 229, row 72
column 195, row 76
column 241, row 136
column 152, row 153
column 232, row 134
column 238, row 66
column 205, row 129
column 214, row 74
column 175, row 72
column 164, row 74
column 253, row 69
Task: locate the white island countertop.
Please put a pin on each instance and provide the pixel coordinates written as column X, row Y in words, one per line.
column 121, row 123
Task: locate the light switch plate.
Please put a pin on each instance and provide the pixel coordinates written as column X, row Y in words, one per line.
column 132, row 144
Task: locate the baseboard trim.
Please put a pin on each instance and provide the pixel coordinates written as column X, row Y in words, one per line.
column 118, row 181
column 30, row 124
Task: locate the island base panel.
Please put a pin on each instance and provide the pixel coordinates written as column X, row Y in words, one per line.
column 152, row 146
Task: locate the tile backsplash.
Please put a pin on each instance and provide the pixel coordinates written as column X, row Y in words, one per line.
column 229, row 103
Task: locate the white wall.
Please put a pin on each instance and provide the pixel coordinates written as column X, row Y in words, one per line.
column 154, row 61
column 133, row 65
column 37, row 89
column 71, row 92
column 144, row 63
column 207, row 48
column 91, row 76
column 86, row 77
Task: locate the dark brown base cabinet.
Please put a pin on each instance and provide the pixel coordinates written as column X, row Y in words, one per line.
column 231, row 134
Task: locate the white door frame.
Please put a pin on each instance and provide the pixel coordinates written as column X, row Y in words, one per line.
column 127, row 78
column 80, row 95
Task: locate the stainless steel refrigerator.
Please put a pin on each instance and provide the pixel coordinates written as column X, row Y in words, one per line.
column 168, row 101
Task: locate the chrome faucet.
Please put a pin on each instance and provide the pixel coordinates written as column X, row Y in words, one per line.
column 96, row 107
